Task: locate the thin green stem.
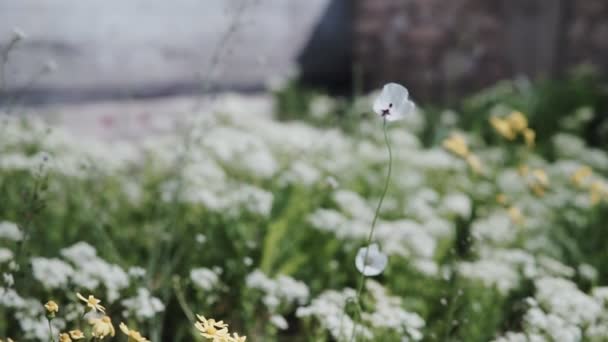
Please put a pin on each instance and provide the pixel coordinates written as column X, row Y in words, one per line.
column 52, row 337
column 181, row 300
column 373, row 228
column 4, row 60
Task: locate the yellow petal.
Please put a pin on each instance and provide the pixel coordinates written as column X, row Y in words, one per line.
column 529, row 136
column 517, row 121
column 502, row 127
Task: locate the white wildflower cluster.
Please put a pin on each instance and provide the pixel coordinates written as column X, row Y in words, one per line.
column 240, row 167
column 279, row 294
column 30, row 314
column 505, row 269
column 353, row 205
column 457, row 204
column 283, row 290
column 143, row 306
column 204, row 278
column 51, row 273
column 329, row 310
column 136, row 272
column 496, row 227
column 333, row 221
column 9, row 298
column 81, row 267
column 406, row 238
column 491, row 273
column 569, row 146
column 91, row 272
column 388, row 317
column 10, row 231
column 321, row 107
column 389, row 314
column 206, row 183
column 6, row 255
column 560, row 311
column 58, row 151
column 242, row 150
column 300, row 172
column 34, row 324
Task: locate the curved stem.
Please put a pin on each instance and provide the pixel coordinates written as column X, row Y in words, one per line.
column 373, row 228
column 181, row 300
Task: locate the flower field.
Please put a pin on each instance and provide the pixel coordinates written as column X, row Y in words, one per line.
column 249, row 223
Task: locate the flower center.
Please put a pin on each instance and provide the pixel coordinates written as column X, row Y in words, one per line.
column 386, row 112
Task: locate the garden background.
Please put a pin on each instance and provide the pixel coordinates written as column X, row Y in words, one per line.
column 194, row 161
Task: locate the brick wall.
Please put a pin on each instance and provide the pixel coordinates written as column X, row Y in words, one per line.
column 445, row 48
column 587, row 33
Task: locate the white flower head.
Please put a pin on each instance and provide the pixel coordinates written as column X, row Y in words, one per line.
column 393, row 103
column 372, row 262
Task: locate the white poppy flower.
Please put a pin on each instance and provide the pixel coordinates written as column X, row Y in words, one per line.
column 393, row 103
column 375, row 262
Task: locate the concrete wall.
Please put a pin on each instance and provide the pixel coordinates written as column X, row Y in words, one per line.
column 121, row 48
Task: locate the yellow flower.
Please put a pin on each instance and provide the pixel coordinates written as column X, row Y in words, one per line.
column 102, row 327
column 541, row 176
column 474, row 164
column 537, row 190
column 217, row 331
column 457, row 145
column 517, row 121
column 516, row 215
column 64, row 338
column 523, row 170
column 92, row 303
column 598, row 190
column 76, row 334
column 580, row 175
column 51, row 307
column 502, row 199
column 539, row 182
column 502, row 127
column 236, row 338
column 134, row 336
column 529, row 136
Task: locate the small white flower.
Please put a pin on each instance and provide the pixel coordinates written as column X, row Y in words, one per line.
column 5, row 255
column 393, row 103
column 10, row 231
column 8, row 279
column 374, row 263
column 52, row 273
column 200, row 238
column 204, row 278
column 279, row 322
column 332, row 182
column 247, row 261
column 143, row 305
column 136, row 272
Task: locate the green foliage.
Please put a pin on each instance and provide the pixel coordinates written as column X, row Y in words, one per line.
column 220, row 211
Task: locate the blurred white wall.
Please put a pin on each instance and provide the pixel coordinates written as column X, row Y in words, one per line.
column 122, row 46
